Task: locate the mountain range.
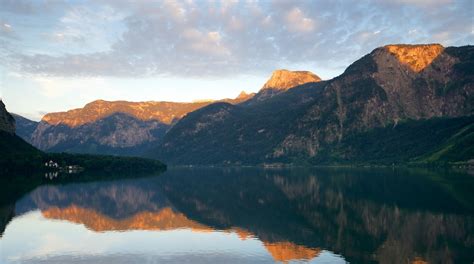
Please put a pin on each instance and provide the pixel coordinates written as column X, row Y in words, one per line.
column 397, row 104
column 19, row 157
column 105, row 127
column 400, row 103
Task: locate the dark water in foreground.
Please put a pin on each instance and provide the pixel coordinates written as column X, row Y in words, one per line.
column 245, row 215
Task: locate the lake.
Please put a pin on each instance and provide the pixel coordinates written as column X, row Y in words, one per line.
column 243, row 215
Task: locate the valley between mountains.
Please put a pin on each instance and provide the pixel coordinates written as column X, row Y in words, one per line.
column 398, row 104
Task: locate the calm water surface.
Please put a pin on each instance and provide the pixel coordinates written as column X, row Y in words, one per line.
column 245, row 215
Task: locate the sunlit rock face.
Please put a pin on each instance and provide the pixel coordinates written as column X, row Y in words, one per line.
column 115, row 134
column 7, row 122
column 285, row 79
column 164, row 112
column 113, row 127
column 243, row 96
column 417, row 57
column 103, row 127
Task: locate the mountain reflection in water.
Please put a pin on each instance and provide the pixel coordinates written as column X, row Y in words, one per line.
column 249, row 215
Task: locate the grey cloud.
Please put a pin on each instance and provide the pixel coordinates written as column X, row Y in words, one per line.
column 28, row 7
column 183, row 38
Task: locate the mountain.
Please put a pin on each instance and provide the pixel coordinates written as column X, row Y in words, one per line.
column 115, row 134
column 7, row 122
column 112, row 127
column 12, row 146
column 18, row 156
column 24, row 127
column 15, row 151
column 400, row 95
column 283, row 80
column 242, row 97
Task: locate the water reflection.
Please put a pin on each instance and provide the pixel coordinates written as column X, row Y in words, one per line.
column 247, row 215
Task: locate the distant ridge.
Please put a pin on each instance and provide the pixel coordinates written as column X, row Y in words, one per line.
column 110, row 127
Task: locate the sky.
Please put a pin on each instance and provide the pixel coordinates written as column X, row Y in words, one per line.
column 57, row 55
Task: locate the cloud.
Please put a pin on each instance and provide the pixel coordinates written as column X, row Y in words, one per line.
column 26, row 7
column 207, row 43
column 424, row 3
column 7, row 31
column 224, row 38
column 298, row 22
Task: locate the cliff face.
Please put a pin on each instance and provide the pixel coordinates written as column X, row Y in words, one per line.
column 24, row 127
column 416, row 57
column 283, row 80
column 380, row 90
column 117, row 134
column 118, row 127
column 389, row 86
column 164, row 112
column 103, row 127
column 7, row 122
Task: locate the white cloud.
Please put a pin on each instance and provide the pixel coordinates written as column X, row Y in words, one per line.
column 6, row 28
column 216, row 38
column 88, row 27
column 6, row 31
column 206, row 43
column 267, row 20
column 235, row 23
column 176, row 10
column 297, row 21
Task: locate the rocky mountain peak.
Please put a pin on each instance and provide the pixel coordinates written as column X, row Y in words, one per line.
column 416, row 57
column 7, row 122
column 285, row 79
column 242, row 94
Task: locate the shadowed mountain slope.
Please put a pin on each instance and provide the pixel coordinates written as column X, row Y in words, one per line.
column 111, row 127
column 314, row 122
